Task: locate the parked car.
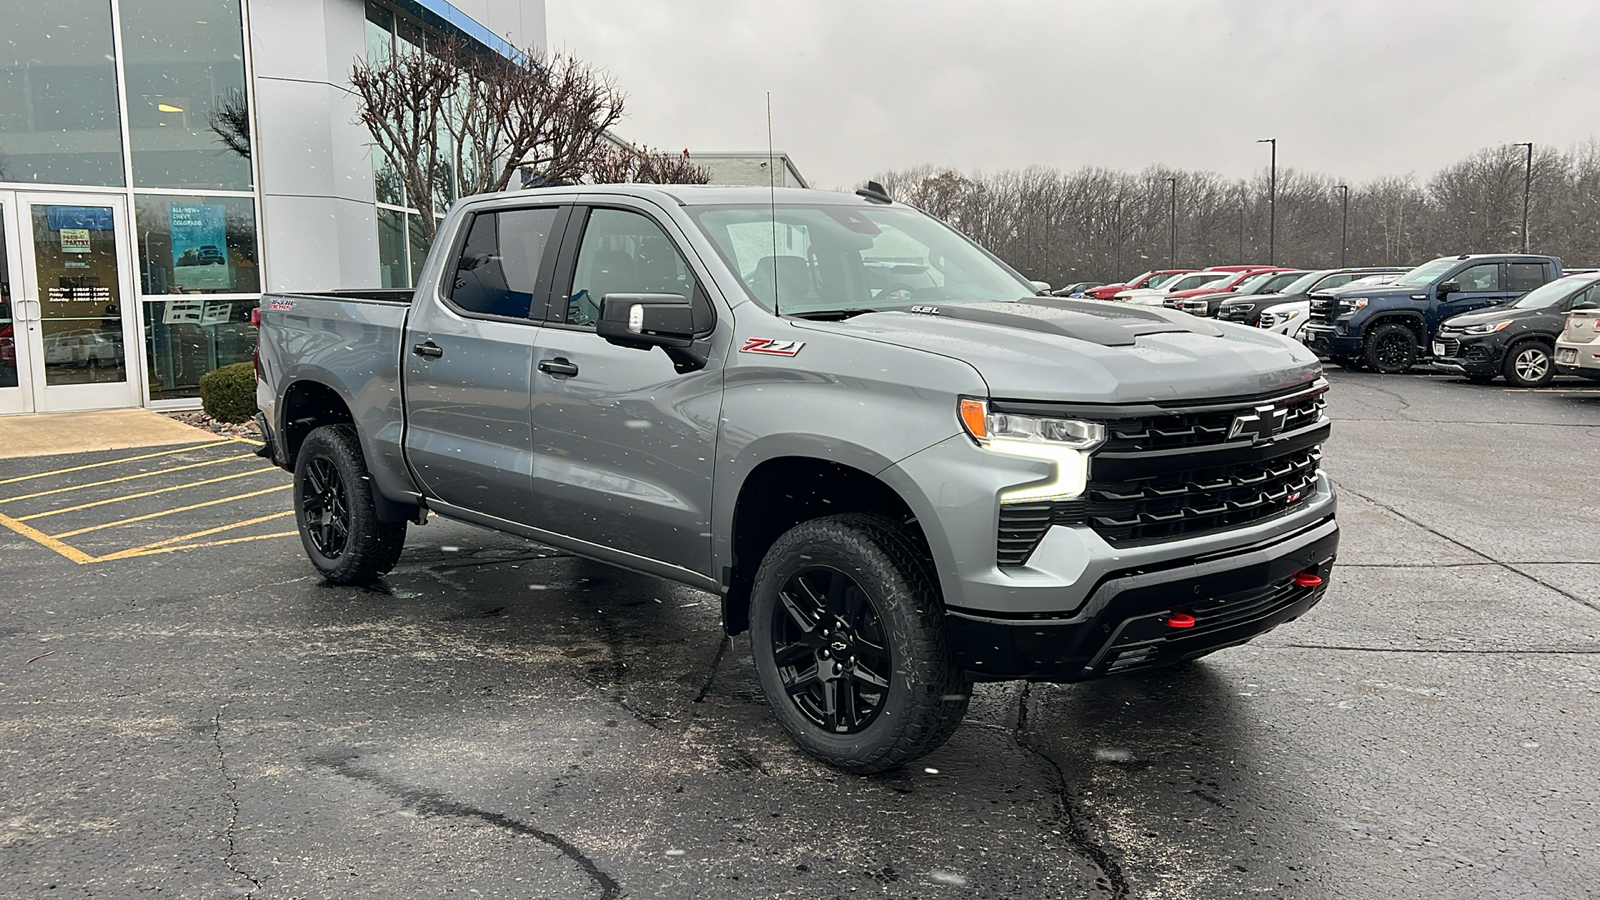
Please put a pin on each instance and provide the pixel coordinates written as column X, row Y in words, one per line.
column 1233, row 278
column 210, row 254
column 1388, row 329
column 1516, row 340
column 1578, row 346
column 1247, row 310
column 83, row 347
column 1154, row 296
column 892, row 498
column 1152, row 279
column 1206, row 305
column 1291, row 318
column 1076, row 289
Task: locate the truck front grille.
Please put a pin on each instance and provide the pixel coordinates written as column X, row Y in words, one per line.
column 1197, row 501
column 1143, row 488
column 1324, row 309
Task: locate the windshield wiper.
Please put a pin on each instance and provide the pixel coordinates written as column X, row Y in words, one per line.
column 832, row 315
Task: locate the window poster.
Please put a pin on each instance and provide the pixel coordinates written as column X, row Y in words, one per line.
column 199, row 247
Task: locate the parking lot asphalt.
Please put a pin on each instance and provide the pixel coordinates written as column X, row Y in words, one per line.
column 498, row 719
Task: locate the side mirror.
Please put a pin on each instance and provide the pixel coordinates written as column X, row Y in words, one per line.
column 1449, row 287
column 1587, row 304
column 1040, row 287
column 643, row 321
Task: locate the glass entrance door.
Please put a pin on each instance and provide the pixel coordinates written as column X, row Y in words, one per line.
column 16, row 396
column 72, row 313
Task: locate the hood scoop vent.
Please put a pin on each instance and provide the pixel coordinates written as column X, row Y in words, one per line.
column 1094, row 322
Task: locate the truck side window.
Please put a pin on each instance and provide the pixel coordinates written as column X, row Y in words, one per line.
column 498, row 269
column 1479, row 278
column 626, row 253
column 1522, row 277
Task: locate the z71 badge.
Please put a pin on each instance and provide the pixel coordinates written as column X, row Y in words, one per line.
column 771, row 347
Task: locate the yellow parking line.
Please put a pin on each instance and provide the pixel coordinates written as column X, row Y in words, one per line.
column 168, row 512
column 142, row 551
column 112, row 462
column 241, row 540
column 33, row 534
column 67, row 509
column 77, row 487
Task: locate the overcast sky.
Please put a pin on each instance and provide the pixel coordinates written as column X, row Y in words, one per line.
column 1352, row 88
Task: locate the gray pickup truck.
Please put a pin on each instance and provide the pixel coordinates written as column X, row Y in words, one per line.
column 900, row 469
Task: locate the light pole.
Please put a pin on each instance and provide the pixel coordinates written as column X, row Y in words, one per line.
column 1172, row 226
column 1527, row 190
column 1272, row 204
column 1344, row 227
column 1116, row 268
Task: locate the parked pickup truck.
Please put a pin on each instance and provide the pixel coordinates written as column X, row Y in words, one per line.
column 1388, row 328
column 896, row 487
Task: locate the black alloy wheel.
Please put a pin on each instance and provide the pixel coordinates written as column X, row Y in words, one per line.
column 1391, row 349
column 831, row 650
column 335, row 512
column 326, row 508
column 1529, row 365
column 847, row 631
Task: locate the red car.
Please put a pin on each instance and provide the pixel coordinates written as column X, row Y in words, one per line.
column 1240, row 274
column 1151, row 279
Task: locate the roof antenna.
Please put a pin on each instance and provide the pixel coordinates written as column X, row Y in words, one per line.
column 772, row 206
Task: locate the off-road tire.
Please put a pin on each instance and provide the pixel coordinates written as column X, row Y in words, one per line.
column 1529, row 364
column 1391, row 349
column 927, row 694
column 333, row 494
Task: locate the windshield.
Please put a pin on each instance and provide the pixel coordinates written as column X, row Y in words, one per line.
column 836, row 257
column 1200, row 279
column 1158, row 280
column 1302, row 284
column 1426, row 273
column 1548, row 295
column 1249, row 285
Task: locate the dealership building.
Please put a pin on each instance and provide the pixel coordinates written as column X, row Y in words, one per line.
column 164, row 162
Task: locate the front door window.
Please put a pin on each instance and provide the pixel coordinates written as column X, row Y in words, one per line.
column 80, row 296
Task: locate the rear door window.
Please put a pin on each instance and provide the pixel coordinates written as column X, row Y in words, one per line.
column 498, row 272
column 1523, row 277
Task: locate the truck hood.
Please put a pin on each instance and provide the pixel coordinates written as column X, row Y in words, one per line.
column 1087, row 351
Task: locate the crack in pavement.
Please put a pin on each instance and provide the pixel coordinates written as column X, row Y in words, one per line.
column 1404, row 403
column 1486, row 651
column 233, row 805
column 1509, row 567
column 1072, row 818
column 431, row 803
column 716, row 662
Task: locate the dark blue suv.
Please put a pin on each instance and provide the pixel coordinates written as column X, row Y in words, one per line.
column 1387, row 327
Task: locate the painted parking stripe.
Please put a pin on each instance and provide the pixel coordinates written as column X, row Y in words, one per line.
column 67, row 509
column 79, row 487
column 177, row 547
column 37, row 536
column 112, row 462
column 148, row 548
column 168, row 512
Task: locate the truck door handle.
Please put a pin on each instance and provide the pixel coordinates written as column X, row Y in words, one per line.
column 428, row 349
column 558, row 366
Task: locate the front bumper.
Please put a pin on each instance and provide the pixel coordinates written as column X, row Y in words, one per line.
column 1468, row 355
column 1232, row 597
column 1326, row 340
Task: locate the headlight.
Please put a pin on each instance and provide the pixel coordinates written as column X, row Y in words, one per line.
column 1064, row 442
column 1486, row 327
column 1288, row 315
column 1353, row 303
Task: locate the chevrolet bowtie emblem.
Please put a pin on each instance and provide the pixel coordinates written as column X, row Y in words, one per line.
column 1260, row 425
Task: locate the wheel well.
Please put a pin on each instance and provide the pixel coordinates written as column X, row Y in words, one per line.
column 1411, row 322
column 308, row 405
column 782, row 493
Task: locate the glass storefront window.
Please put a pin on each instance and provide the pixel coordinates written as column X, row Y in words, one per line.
column 394, row 271
column 59, row 122
column 186, row 337
column 8, row 330
column 188, row 122
column 197, row 244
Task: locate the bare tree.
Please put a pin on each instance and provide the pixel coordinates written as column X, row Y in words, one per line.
column 230, row 122
column 618, row 164
column 459, row 117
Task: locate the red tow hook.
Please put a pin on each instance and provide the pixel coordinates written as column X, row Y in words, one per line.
column 1307, row 579
column 1180, row 620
